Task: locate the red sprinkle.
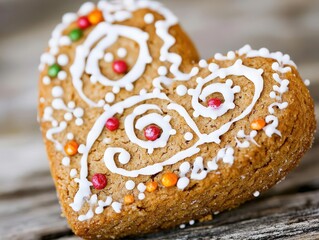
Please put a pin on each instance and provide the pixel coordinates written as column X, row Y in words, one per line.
column 152, row 132
column 214, row 103
column 120, row 66
column 112, row 124
column 83, row 22
column 99, row 181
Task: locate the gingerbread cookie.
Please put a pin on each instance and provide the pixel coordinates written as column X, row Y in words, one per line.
column 141, row 136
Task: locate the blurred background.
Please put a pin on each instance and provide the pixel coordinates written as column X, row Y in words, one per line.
column 291, row 26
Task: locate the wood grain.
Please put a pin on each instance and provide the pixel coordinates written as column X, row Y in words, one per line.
column 28, row 205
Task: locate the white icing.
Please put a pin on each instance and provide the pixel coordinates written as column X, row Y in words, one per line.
column 117, row 207
column 103, row 204
column 141, row 196
column 203, row 64
column 191, row 222
column 70, row 136
column 46, row 80
column 141, row 187
column 62, row 75
column 247, row 139
column 182, row 183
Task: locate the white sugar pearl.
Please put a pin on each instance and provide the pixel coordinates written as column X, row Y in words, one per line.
column 149, row 18
column 63, row 60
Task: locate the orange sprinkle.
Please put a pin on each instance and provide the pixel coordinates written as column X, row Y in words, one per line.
column 71, row 148
column 258, row 124
column 169, row 179
column 95, row 17
column 151, row 186
column 129, row 199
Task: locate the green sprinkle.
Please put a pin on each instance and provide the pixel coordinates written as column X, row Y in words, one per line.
column 54, row 70
column 76, row 34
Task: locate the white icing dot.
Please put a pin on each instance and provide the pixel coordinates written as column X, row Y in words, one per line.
column 182, row 183
column 57, row 91
column 109, row 97
column 70, row 136
column 130, row 185
column 66, row 161
column 184, row 168
column 129, row 87
column 71, row 104
column 149, row 18
column 188, row 136
column 81, row 148
column 203, row 63
column 62, row 75
column 172, row 132
column 162, row 70
column 181, row 90
column 42, row 100
column 143, row 91
column 55, row 123
column 63, row 60
column 117, row 207
column 122, row 52
column 79, row 122
column 116, row 89
column 141, row 187
column 256, row 194
column 65, row 41
column 68, row 116
column 191, row 222
column 46, row 80
column 108, row 57
column 73, row 173
column 78, row 112
column 141, row 196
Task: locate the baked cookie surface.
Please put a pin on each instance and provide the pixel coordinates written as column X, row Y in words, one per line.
column 141, row 136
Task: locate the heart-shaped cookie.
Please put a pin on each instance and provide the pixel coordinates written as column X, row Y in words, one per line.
column 142, row 137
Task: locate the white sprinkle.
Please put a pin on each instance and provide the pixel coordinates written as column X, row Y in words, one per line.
column 256, row 194
column 73, row 173
column 203, row 63
column 79, row 122
column 149, row 18
column 117, row 207
column 162, row 70
column 107, row 140
column 108, row 57
column 188, row 136
column 46, row 80
column 130, row 185
column 57, row 91
column 78, row 112
column 121, row 52
column 182, row 226
column 141, row 196
column 141, row 187
column 62, row 75
column 68, row 116
column 66, row 161
column 191, row 222
column 70, row 136
column 109, row 97
column 63, row 60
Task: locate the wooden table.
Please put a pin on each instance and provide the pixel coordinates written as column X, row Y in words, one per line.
column 28, row 205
